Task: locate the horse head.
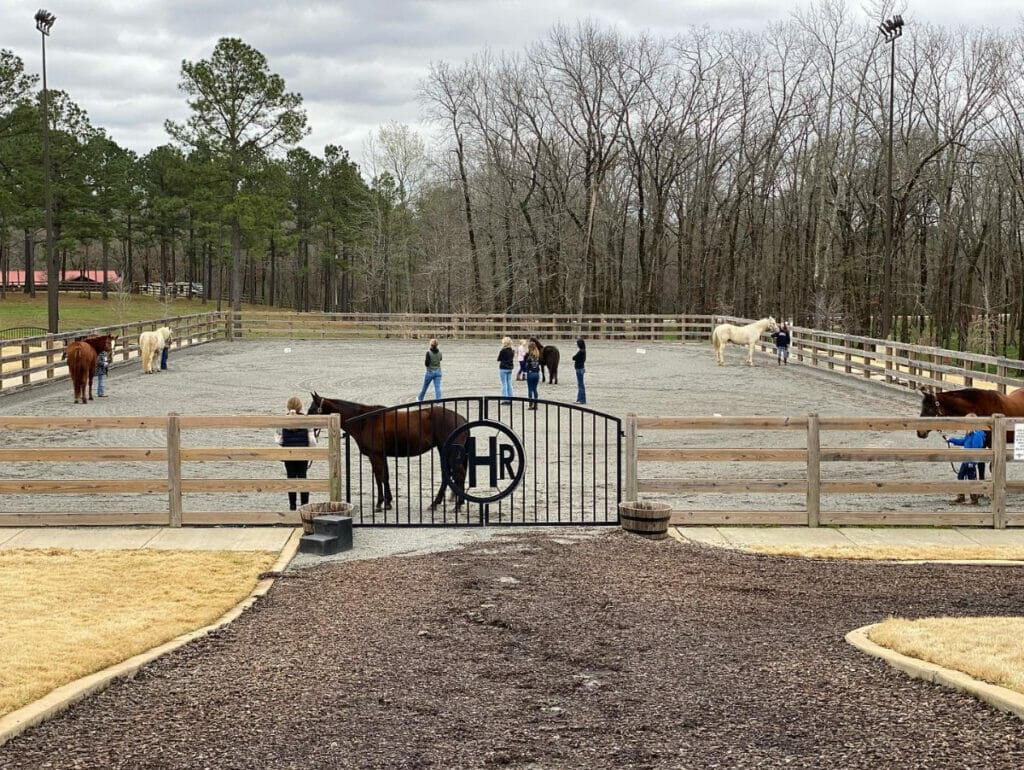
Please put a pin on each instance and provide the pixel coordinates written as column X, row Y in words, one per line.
column 772, row 324
column 930, row 407
column 315, row 404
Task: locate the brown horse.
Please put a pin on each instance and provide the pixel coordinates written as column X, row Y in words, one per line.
column 984, row 403
column 404, row 433
column 81, row 358
column 549, row 358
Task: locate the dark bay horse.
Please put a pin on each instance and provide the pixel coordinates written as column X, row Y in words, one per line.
column 549, row 358
column 404, row 433
column 81, row 356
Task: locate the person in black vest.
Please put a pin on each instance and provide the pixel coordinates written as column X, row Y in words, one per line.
column 292, row 437
column 781, row 338
column 579, row 361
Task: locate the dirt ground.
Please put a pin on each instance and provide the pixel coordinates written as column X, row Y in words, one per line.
column 257, row 376
column 564, row 649
column 570, row 648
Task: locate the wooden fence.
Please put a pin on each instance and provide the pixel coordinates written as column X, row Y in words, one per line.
column 813, row 486
column 39, row 358
column 172, row 472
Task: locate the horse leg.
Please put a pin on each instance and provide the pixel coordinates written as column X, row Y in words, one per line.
column 750, row 354
column 381, row 476
column 90, row 387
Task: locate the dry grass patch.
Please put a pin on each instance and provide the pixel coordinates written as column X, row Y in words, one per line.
column 66, row 614
column 899, row 553
column 989, row 649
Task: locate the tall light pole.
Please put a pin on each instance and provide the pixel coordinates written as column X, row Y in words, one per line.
column 890, row 30
column 45, row 20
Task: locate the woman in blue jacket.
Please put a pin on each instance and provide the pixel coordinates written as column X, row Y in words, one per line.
column 975, row 439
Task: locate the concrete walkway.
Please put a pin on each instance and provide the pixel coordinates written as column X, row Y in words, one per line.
column 157, row 538
column 404, row 541
column 916, row 537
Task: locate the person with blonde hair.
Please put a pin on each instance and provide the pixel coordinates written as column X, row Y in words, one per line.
column 521, row 353
column 506, row 362
column 296, row 437
column 433, row 375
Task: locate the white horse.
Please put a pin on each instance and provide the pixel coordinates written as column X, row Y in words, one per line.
column 741, row 335
column 151, row 344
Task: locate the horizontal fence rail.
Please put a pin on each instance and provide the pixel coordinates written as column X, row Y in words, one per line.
column 125, row 483
column 37, row 358
column 690, row 484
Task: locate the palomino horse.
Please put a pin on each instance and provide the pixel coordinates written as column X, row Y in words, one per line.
column 81, row 357
column 151, row 344
column 740, row 335
column 404, row 433
column 549, row 358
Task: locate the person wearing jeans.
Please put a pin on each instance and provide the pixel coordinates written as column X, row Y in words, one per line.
column 532, row 365
column 506, row 362
column 579, row 362
column 102, row 366
column 433, row 375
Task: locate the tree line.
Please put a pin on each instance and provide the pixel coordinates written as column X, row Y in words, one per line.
column 593, row 172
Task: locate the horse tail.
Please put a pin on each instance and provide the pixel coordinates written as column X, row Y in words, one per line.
column 716, row 340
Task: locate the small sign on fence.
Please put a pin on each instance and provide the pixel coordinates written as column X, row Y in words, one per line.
column 1018, row 441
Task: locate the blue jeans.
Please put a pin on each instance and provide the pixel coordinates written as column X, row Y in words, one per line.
column 163, row 357
column 432, row 375
column 99, row 383
column 782, row 353
column 532, row 378
column 581, row 392
column 966, row 472
column 506, row 382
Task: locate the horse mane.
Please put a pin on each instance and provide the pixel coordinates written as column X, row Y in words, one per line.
column 340, row 402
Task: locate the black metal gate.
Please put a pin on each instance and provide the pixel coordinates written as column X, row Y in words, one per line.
column 568, row 462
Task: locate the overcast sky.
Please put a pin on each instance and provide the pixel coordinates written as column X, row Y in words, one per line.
column 357, row 63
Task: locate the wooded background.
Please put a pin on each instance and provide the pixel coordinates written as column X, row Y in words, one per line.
column 725, row 172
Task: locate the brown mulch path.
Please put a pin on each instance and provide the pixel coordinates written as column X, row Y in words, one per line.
column 607, row 652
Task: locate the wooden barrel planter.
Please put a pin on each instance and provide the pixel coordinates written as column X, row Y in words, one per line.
column 645, row 518
column 310, row 511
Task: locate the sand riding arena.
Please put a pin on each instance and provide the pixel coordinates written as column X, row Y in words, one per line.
column 650, row 379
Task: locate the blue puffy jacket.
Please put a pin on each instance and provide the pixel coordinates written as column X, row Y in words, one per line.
column 973, row 440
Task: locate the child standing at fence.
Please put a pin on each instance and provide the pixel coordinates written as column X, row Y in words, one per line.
column 974, row 439
column 296, row 437
column 102, row 367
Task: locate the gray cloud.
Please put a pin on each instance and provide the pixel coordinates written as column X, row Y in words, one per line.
column 357, row 63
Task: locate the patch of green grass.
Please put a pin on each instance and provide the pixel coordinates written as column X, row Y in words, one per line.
column 80, row 311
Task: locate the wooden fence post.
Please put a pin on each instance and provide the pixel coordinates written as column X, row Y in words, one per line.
column 174, row 469
column 998, row 469
column 334, row 456
column 813, row 471
column 630, row 493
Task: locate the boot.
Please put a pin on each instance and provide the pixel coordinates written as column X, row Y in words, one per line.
column 974, row 499
column 958, row 500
